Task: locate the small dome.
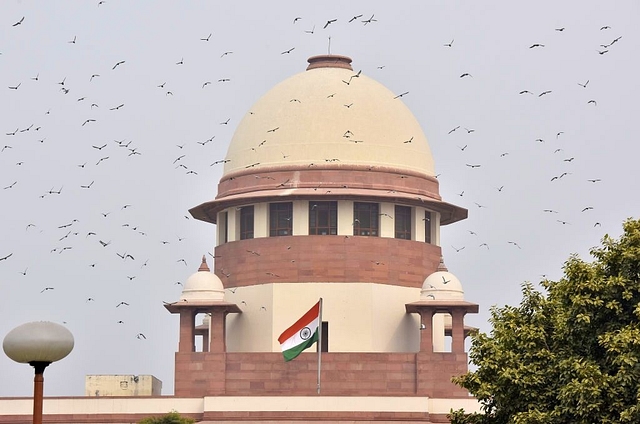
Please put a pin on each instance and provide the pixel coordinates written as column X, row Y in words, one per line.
column 329, row 113
column 203, row 286
column 442, row 285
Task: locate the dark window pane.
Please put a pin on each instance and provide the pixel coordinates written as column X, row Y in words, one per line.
column 246, row 222
column 323, row 218
column 365, row 219
column 280, row 219
column 403, row 222
column 427, row 226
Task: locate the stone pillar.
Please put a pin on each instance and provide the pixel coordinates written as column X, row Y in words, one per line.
column 217, row 331
column 426, row 333
column 187, row 331
column 457, row 330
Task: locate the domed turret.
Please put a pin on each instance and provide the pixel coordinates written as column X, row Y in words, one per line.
column 442, row 285
column 203, row 286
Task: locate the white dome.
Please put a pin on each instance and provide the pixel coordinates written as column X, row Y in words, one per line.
column 441, row 285
column 203, row 286
column 316, row 117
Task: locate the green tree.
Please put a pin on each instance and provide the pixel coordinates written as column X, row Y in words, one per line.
column 171, row 418
column 570, row 354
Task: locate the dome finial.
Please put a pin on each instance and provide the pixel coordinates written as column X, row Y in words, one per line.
column 203, row 265
column 442, row 266
column 329, row 61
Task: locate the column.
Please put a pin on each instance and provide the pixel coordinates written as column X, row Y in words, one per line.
column 457, row 331
column 217, row 333
column 426, row 333
column 187, row 331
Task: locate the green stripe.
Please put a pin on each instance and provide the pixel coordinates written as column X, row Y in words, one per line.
column 297, row 350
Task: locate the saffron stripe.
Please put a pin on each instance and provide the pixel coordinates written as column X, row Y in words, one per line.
column 306, row 319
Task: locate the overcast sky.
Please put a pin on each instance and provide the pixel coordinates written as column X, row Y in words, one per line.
column 97, row 102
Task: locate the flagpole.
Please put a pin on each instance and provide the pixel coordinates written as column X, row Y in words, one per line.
column 319, row 345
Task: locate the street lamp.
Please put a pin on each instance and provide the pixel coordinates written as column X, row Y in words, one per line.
column 38, row 344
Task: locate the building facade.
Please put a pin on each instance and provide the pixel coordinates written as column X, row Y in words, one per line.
column 328, row 191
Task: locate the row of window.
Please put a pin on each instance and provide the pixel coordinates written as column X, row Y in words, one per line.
column 323, row 220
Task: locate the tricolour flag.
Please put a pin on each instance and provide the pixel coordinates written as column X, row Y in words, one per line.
column 301, row 335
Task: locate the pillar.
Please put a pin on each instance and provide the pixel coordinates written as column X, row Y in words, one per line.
column 457, row 331
column 187, row 331
column 426, row 333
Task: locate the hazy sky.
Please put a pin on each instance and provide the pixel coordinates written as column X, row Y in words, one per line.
column 97, row 102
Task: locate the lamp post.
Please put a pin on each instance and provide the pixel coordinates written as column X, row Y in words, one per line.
column 38, row 344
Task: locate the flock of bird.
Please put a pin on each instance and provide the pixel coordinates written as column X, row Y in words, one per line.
column 90, row 201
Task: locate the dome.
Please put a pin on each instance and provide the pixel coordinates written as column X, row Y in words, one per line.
column 203, row 286
column 329, row 114
column 442, row 285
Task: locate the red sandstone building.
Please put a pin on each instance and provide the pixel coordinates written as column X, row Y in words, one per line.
column 328, row 190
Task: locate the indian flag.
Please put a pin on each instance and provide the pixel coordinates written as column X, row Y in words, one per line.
column 301, row 335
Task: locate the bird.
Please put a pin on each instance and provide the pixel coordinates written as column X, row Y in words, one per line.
column 484, row 245
column 226, row 53
column 117, row 107
column 122, row 304
column 19, row 22
column 408, row 141
column 355, row 18
column 515, row 244
column 445, row 281
column 72, row 41
column 99, row 147
column 141, row 336
column 469, row 130
column 463, row 147
column 329, row 22
column 4, row 258
column 550, row 211
column 466, row 74
column 288, row 51
column 204, row 85
column 312, row 30
column 273, row 129
column 117, row 64
column 588, row 208
column 595, row 180
column 536, row 45
column 401, row 94
column 461, row 193
column 562, row 222
column 180, row 62
column 225, row 122
column 560, row 29
column 601, row 52
column 605, row 27
column 46, row 289
column 544, row 92
column 473, row 166
column 102, row 159
column 87, row 121
column 182, row 260
column 458, row 249
column 479, row 205
column 207, row 38
column 525, row 92
column 592, row 101
column 449, row 44
column 15, row 87
column 87, row 186
column 584, row 85
column 368, row 21
column 568, row 159
column 450, row 131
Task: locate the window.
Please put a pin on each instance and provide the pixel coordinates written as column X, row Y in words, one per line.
column 403, row 222
column 223, row 227
column 280, row 219
column 365, row 219
column 323, row 218
column 246, row 222
column 427, row 226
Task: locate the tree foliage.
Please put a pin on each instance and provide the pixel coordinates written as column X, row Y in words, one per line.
column 569, row 355
column 171, row 418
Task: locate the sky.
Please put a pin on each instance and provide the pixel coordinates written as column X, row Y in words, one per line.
column 99, row 99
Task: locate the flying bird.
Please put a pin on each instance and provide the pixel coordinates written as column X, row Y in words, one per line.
column 401, row 94
column 536, row 45
column 117, row 64
column 329, row 22
column 288, row 51
column 19, row 22
column 449, row 44
column 584, row 85
column 206, row 39
column 544, row 92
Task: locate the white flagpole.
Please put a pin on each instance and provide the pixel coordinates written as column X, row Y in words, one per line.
column 319, row 345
